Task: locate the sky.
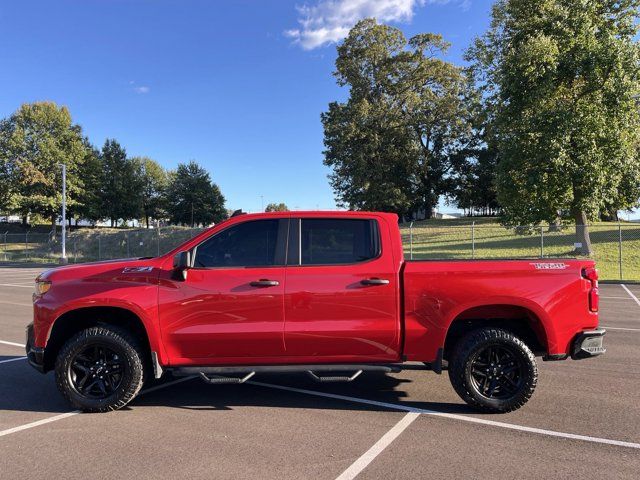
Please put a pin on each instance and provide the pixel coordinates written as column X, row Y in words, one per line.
column 237, row 86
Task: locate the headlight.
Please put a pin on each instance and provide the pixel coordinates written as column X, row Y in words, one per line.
column 42, row 287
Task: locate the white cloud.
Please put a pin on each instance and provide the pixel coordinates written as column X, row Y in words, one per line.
column 142, row 89
column 329, row 21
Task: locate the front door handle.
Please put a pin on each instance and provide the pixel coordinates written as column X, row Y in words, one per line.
column 263, row 282
column 375, row 281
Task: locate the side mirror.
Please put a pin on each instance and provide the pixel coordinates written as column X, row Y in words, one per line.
column 181, row 263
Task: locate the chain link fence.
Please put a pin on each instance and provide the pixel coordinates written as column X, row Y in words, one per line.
column 91, row 245
column 616, row 246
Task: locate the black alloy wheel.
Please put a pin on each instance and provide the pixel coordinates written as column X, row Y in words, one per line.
column 493, row 370
column 96, row 371
column 100, row 368
column 496, row 372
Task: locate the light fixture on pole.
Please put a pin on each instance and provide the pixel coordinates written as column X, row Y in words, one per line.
column 63, row 259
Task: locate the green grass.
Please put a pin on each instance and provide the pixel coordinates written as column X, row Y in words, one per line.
column 457, row 239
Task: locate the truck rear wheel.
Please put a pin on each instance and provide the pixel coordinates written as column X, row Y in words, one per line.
column 100, row 369
column 493, row 370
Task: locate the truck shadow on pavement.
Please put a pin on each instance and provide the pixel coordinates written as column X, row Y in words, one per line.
column 197, row 395
column 28, row 391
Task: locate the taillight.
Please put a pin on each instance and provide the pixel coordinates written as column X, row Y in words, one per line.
column 591, row 274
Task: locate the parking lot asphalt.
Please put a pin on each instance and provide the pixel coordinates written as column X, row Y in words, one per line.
column 582, row 422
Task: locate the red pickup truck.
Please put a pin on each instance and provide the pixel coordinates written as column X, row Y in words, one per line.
column 327, row 293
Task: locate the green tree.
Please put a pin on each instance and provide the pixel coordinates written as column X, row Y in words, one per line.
column 88, row 204
column 192, row 199
column 121, row 186
column 390, row 144
column 562, row 77
column 154, row 181
column 34, row 142
column 276, row 207
column 472, row 181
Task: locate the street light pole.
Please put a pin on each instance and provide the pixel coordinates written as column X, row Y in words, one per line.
column 64, row 214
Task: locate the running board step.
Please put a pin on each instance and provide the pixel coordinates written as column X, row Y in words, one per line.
column 334, row 378
column 330, row 370
column 219, row 380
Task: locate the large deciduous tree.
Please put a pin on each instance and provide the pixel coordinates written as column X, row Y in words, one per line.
column 192, row 198
column 390, row 144
column 34, row 142
column 563, row 79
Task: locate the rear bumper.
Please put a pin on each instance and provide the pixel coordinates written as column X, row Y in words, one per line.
column 588, row 344
column 35, row 355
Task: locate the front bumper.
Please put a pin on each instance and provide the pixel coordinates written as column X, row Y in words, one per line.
column 588, row 344
column 35, row 355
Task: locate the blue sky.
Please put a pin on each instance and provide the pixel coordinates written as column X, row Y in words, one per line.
column 236, row 85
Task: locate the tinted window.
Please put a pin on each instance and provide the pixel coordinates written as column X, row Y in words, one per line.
column 249, row 244
column 336, row 241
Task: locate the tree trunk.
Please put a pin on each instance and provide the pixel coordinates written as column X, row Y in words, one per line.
column 582, row 233
column 147, row 220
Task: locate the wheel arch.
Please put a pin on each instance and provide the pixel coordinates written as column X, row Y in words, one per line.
column 73, row 321
column 518, row 319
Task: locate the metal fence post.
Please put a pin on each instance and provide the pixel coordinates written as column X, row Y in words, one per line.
column 158, row 243
column 411, row 241
column 473, row 239
column 128, row 254
column 5, row 245
column 541, row 241
column 99, row 248
column 26, row 245
column 620, row 248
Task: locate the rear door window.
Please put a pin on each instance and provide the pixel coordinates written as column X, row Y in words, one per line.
column 337, row 241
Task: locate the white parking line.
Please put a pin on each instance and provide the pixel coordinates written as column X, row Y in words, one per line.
column 625, row 329
column 453, row 416
column 631, row 294
column 44, row 421
column 55, row 418
column 361, row 463
column 4, row 342
column 13, row 359
column 16, row 285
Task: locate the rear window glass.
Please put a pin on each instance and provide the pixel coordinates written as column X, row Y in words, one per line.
column 338, row 241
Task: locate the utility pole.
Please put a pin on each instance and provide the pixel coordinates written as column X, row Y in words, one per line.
column 64, row 214
column 192, row 214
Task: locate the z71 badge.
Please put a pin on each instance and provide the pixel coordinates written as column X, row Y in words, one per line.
column 549, row 266
column 137, row 269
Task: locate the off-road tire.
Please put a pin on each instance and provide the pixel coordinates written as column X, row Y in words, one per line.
column 468, row 349
column 129, row 353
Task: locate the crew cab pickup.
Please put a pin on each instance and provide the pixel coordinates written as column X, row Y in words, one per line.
column 327, row 293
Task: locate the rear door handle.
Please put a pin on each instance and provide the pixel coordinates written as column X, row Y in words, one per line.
column 375, row 281
column 263, row 282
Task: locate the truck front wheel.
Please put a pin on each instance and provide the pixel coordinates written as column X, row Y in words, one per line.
column 493, row 370
column 100, row 369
